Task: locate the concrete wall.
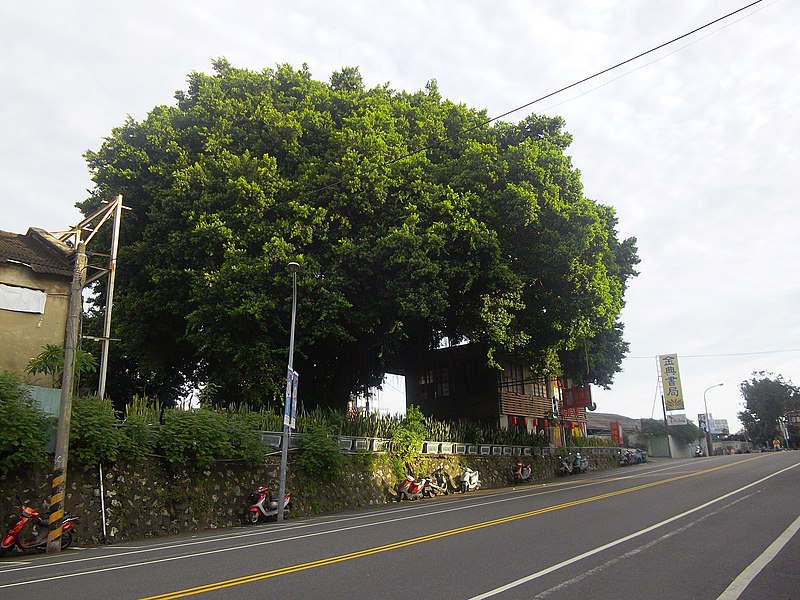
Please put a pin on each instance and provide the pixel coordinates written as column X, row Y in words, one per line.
column 22, row 335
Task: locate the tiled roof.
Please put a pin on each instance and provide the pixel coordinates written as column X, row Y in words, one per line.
column 38, row 250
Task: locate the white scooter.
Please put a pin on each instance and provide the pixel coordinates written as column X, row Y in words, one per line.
column 470, row 480
column 521, row 472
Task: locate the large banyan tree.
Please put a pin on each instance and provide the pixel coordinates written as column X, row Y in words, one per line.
column 413, row 218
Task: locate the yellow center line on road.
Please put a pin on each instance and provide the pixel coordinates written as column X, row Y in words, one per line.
column 422, row 539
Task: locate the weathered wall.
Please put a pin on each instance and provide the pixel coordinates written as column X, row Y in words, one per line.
column 145, row 499
column 22, row 335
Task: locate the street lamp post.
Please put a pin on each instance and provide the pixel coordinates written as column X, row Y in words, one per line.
column 293, row 267
column 709, row 446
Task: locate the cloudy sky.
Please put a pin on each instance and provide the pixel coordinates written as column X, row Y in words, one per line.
column 695, row 145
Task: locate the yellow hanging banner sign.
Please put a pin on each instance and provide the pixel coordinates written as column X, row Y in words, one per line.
column 671, row 381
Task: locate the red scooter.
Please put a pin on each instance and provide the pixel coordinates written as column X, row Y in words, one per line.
column 412, row 489
column 264, row 505
column 34, row 538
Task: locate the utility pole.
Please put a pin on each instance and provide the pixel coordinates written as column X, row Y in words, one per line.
column 666, row 427
column 67, row 381
column 290, row 397
column 709, row 440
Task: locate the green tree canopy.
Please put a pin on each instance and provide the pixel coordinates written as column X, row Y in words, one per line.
column 767, row 400
column 413, row 219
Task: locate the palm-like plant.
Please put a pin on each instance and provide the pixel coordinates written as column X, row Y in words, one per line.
column 50, row 361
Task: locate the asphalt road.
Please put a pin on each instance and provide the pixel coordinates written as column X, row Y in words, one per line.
column 719, row 527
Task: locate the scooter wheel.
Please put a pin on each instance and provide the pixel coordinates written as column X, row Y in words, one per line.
column 66, row 539
column 251, row 517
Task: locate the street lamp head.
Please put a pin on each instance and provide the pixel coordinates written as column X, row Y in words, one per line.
column 294, row 267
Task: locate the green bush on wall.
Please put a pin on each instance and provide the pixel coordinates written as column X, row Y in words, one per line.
column 202, row 436
column 93, row 434
column 24, row 428
column 199, row 437
column 408, row 437
column 319, row 454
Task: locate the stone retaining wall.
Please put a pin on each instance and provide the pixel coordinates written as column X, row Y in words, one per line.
column 147, row 499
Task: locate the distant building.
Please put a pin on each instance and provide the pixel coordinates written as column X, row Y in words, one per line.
column 454, row 382
column 35, row 276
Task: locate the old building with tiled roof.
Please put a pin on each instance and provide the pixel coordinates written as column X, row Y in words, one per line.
column 35, row 275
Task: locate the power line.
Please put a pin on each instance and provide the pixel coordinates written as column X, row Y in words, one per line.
column 532, row 102
column 655, row 60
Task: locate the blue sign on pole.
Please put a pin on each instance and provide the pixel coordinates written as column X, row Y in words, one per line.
column 293, row 414
column 290, row 402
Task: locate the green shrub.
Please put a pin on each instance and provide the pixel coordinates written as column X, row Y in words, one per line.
column 244, row 442
column 25, row 428
column 407, row 438
column 199, row 437
column 319, row 455
column 94, row 435
column 138, row 437
column 195, row 437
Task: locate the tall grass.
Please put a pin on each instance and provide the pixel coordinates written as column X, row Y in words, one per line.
column 370, row 425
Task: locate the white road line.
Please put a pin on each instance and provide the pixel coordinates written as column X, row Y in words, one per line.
column 738, row 585
column 504, row 588
column 632, row 553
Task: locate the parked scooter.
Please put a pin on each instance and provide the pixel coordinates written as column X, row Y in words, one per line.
column 566, row 465
column 470, row 480
column 263, row 504
column 436, row 485
column 34, row 538
column 580, row 464
column 698, row 451
column 626, row 459
column 412, row 489
column 521, row 472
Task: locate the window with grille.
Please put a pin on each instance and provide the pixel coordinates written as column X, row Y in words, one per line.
column 513, row 379
column 434, row 383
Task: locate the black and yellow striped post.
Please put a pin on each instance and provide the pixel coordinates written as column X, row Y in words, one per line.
column 65, row 412
column 56, row 510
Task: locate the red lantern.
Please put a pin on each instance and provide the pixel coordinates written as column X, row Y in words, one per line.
column 536, row 422
column 545, row 423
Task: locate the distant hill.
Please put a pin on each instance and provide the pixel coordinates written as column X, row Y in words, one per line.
column 601, row 423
